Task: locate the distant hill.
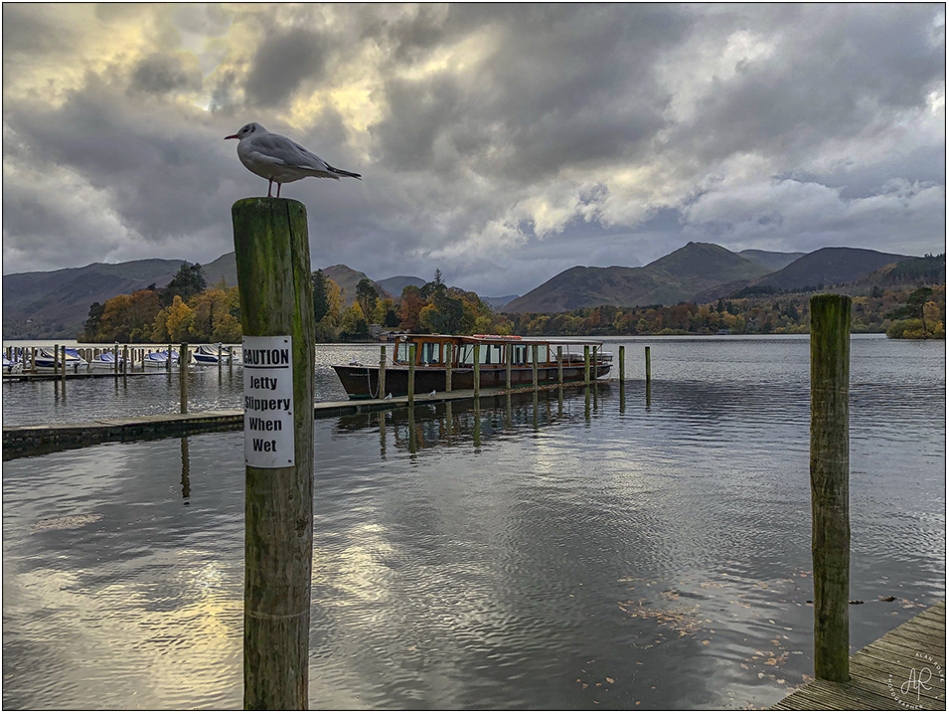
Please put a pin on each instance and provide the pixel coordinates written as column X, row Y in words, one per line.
column 909, row 273
column 669, row 280
column 499, row 302
column 770, row 259
column 827, row 267
column 395, row 286
column 348, row 279
column 56, row 303
column 224, row 267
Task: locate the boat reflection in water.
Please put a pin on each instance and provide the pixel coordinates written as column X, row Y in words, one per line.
column 473, row 421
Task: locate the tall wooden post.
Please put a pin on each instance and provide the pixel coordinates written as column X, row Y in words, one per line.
column 830, row 484
column 381, row 392
column 115, row 360
column 508, row 362
column 622, row 365
column 559, row 365
column 648, row 366
column 63, row 360
column 273, row 274
column 586, row 364
column 534, row 349
column 183, row 376
column 169, row 359
column 593, row 366
column 449, row 361
column 477, row 371
column 55, row 361
column 411, row 391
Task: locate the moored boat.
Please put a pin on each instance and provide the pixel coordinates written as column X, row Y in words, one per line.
column 208, row 354
column 159, row 359
column 106, row 362
column 436, row 354
column 46, row 361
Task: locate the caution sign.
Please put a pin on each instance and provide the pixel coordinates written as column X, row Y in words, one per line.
column 268, row 402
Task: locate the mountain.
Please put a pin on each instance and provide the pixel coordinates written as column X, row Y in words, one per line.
column 395, row 286
column 348, row 279
column 669, row 280
column 224, row 267
column 56, row 303
column 499, row 302
column 770, row 259
column 827, row 267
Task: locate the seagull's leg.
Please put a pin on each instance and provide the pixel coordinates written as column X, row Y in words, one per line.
column 269, row 188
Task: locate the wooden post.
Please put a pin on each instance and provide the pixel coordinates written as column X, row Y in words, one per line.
column 477, row 371
column 534, row 349
column 381, row 392
column 183, row 376
column 449, row 361
column 63, row 360
column 411, row 391
column 648, row 366
column 220, row 364
column 586, row 364
column 622, row 364
column 560, row 365
column 125, row 360
column 273, row 274
column 509, row 360
column 115, row 360
column 169, row 358
column 593, row 366
column 830, row 487
column 33, row 360
column 55, row 360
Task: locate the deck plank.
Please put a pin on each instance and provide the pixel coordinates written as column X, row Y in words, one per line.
column 880, row 669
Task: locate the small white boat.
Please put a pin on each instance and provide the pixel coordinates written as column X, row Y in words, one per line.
column 159, row 359
column 106, row 362
column 12, row 366
column 208, row 354
column 46, row 361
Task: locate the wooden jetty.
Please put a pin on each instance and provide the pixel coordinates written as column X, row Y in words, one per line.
column 19, row 441
column 904, row 669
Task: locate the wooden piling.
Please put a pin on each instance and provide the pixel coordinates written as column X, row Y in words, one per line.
column 559, row 365
column 477, row 371
column 449, row 362
column 381, row 392
column 586, row 365
column 276, row 294
column 622, row 365
column 648, row 366
column 508, row 362
column 183, row 376
column 830, row 483
column 411, row 392
column 168, row 364
column 62, row 359
column 534, row 350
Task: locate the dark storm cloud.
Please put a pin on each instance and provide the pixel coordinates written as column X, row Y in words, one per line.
column 162, row 73
column 281, row 63
column 26, row 31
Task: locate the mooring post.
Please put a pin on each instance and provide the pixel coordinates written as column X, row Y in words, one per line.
column 183, row 376
column 169, row 358
column 648, row 366
column 55, row 361
column 593, row 365
column 63, row 360
column 411, row 390
column 534, row 376
column 508, row 362
column 125, row 360
column 449, row 357
column 830, row 484
column 276, row 294
column 560, row 365
column 586, row 365
column 476, row 379
column 381, row 387
column 622, row 365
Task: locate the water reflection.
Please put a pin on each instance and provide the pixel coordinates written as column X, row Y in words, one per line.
column 185, row 471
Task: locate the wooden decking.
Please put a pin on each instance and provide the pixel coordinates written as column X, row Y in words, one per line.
column 903, row 670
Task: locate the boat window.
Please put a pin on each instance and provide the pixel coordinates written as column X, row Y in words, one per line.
column 492, row 354
column 465, row 354
column 520, row 354
column 431, row 353
column 402, row 353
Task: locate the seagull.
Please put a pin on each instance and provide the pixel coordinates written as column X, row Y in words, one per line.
column 388, row 396
column 280, row 160
column 432, row 393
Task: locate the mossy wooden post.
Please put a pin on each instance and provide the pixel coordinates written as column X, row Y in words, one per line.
column 183, row 376
column 125, row 361
column 508, row 363
column 560, row 365
column 830, row 484
column 586, row 365
column 276, row 293
column 168, row 364
column 63, row 360
column 411, row 389
column 593, row 364
column 449, row 358
column 534, row 375
column 55, row 361
column 648, row 366
column 381, row 387
column 622, row 365
column 476, row 379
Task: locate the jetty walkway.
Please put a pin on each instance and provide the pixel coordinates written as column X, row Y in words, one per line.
column 904, row 669
column 19, row 441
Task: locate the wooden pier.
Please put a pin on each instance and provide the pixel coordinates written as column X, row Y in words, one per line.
column 20, row 441
column 904, row 669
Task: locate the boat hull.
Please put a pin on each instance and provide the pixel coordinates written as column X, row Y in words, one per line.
column 362, row 382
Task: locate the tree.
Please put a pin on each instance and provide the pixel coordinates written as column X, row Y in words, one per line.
column 320, row 295
column 91, row 326
column 188, row 281
column 412, row 304
column 366, row 296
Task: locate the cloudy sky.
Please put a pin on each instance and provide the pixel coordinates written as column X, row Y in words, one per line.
column 499, row 143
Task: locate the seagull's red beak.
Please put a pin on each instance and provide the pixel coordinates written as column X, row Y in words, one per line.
column 232, row 136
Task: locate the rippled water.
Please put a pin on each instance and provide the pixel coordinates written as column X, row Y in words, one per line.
column 589, row 552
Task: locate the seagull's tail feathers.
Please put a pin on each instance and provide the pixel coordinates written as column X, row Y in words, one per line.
column 350, row 174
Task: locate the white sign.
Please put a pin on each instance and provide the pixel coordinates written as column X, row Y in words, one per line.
column 268, row 402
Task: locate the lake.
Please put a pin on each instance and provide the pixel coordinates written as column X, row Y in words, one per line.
column 575, row 553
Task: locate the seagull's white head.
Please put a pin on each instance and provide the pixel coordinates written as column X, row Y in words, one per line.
column 247, row 130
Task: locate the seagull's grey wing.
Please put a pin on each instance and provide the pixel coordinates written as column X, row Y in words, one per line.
column 288, row 152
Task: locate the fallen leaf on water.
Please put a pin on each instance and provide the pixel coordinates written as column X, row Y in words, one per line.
column 760, row 675
column 705, row 642
column 742, row 664
column 610, row 680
